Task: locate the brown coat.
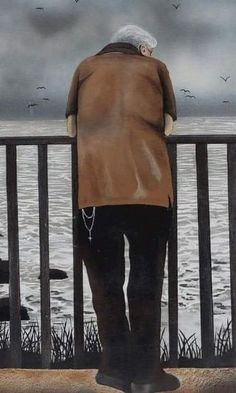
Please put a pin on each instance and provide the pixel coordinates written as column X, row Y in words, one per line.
column 120, row 98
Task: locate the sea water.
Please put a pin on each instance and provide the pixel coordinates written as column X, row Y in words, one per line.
column 60, row 223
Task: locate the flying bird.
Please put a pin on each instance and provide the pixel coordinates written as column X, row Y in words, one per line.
column 189, row 96
column 40, row 87
column 46, row 99
column 176, row 5
column 31, row 105
column 39, row 8
column 225, row 78
column 185, row 90
column 225, row 102
column 76, row 1
column 1, row 235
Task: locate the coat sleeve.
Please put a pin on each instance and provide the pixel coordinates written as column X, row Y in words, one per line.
column 72, row 101
column 168, row 92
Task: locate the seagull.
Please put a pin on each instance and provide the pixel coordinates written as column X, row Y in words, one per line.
column 176, row 5
column 185, row 90
column 39, row 8
column 40, row 87
column 30, row 105
column 225, row 79
column 190, row 96
column 46, row 99
column 225, row 102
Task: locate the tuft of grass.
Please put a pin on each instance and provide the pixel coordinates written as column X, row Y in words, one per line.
column 4, row 336
column 31, row 338
column 91, row 337
column 223, row 339
column 62, row 339
column 163, row 348
column 62, row 343
column 188, row 347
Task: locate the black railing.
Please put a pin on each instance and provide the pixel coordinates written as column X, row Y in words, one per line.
column 205, row 270
column 13, row 247
column 206, row 299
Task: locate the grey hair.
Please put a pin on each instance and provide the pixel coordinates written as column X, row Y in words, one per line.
column 134, row 35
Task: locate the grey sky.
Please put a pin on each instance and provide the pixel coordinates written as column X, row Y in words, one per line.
column 197, row 42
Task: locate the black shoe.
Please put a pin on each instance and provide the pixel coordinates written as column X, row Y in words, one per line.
column 114, row 381
column 161, row 382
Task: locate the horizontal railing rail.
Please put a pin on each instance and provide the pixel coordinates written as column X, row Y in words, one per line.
column 206, row 300
column 65, row 140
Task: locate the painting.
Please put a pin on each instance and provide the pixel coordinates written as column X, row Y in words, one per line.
column 94, row 120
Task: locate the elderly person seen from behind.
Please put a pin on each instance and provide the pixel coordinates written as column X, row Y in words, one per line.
column 120, row 106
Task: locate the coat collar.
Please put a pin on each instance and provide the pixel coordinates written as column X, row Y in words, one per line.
column 123, row 47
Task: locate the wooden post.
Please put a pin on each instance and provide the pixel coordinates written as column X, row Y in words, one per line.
column 13, row 256
column 173, row 266
column 231, row 159
column 207, row 325
column 44, row 256
column 78, row 266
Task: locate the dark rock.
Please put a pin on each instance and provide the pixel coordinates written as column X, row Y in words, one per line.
column 4, row 272
column 5, row 314
column 56, row 274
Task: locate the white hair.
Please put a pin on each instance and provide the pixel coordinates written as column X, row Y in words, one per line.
column 134, row 35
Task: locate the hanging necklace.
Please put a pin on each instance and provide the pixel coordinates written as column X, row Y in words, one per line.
column 86, row 216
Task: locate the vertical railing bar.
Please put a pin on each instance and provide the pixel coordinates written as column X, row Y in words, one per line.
column 206, row 299
column 173, row 266
column 77, row 266
column 44, row 256
column 231, row 163
column 13, row 256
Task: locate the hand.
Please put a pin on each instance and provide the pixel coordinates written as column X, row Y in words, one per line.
column 169, row 124
column 72, row 126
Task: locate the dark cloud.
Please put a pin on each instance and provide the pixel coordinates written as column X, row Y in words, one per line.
column 182, row 25
column 197, row 42
column 50, row 22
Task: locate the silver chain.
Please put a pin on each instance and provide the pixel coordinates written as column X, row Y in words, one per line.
column 86, row 216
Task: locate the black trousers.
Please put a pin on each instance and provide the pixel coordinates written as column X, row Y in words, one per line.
column 133, row 346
